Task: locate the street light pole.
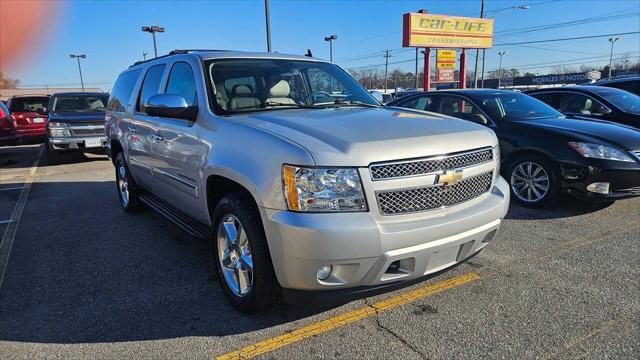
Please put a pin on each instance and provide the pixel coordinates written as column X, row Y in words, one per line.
column 330, row 39
column 78, row 57
column 521, row 7
column 475, row 71
column 153, row 30
column 267, row 19
column 501, row 53
column 612, row 40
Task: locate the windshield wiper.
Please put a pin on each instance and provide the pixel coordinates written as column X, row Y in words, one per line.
column 348, row 103
column 277, row 104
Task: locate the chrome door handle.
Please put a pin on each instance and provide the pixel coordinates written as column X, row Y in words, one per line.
column 132, row 130
column 158, row 137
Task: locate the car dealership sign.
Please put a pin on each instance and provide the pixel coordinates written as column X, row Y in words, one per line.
column 442, row 31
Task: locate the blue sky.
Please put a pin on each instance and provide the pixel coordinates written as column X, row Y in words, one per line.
column 108, row 32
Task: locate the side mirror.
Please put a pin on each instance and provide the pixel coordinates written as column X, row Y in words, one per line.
column 171, row 106
column 377, row 95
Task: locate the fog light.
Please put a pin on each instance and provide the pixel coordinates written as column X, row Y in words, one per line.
column 599, row 187
column 324, row 272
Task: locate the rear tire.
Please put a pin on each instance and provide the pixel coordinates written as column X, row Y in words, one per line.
column 241, row 255
column 533, row 181
column 128, row 190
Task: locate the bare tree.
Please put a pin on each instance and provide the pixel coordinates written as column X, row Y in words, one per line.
column 8, row 83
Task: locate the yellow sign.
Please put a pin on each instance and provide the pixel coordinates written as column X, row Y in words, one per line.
column 446, row 59
column 442, row 31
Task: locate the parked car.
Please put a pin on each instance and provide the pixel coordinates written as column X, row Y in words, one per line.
column 599, row 102
column 8, row 134
column 544, row 152
column 30, row 114
column 630, row 84
column 76, row 123
column 311, row 189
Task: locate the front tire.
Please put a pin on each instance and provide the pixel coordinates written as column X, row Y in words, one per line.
column 128, row 190
column 241, row 255
column 533, row 181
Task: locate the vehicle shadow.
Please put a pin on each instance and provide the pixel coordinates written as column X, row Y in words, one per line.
column 83, row 271
column 17, row 157
column 564, row 207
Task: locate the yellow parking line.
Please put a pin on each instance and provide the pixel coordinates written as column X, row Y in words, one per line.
column 265, row 346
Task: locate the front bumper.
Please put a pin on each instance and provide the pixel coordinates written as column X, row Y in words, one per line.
column 77, row 143
column 625, row 181
column 362, row 249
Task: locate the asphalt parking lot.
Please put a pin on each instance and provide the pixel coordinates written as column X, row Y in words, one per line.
column 85, row 280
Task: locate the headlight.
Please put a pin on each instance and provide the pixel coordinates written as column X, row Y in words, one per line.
column 322, row 189
column 597, row 151
column 57, row 125
column 59, row 132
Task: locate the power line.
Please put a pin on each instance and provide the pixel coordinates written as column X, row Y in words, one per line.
column 566, row 39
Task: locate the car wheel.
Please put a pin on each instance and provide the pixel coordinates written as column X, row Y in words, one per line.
column 533, row 181
column 128, row 190
column 241, row 255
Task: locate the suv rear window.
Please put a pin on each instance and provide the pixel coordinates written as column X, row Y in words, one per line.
column 28, row 104
column 122, row 90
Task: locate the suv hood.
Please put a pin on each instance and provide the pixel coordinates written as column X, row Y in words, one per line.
column 360, row 136
column 77, row 117
column 603, row 131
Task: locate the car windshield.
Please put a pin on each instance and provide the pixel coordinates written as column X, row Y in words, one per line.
column 516, row 107
column 245, row 85
column 624, row 100
column 29, row 104
column 79, row 103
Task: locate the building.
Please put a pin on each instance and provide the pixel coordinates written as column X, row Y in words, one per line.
column 5, row 94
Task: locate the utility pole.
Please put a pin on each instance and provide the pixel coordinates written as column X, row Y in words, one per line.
column 266, row 14
column 78, row 57
column 501, row 53
column 417, row 55
column 330, row 39
column 153, row 30
column 386, row 66
column 475, row 71
column 612, row 40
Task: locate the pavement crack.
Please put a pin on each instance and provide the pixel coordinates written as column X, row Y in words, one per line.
column 393, row 333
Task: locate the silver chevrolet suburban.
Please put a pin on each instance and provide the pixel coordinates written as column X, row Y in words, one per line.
column 306, row 186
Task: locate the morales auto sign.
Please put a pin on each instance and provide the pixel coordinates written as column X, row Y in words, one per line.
column 442, row 31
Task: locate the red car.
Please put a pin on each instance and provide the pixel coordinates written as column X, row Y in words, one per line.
column 28, row 112
column 7, row 127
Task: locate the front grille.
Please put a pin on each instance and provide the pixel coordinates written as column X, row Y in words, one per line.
column 429, row 165
column 397, row 202
column 88, row 131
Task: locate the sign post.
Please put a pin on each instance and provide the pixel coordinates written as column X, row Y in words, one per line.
column 448, row 32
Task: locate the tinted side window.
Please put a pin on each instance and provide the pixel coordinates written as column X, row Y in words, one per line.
column 122, row 90
column 181, row 82
column 150, row 85
column 580, row 104
column 419, row 103
column 462, row 109
column 546, row 98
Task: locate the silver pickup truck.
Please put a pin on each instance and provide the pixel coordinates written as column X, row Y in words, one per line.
column 306, row 186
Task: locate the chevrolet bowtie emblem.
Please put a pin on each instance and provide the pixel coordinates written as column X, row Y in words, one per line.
column 449, row 177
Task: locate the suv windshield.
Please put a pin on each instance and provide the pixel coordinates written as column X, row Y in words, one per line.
column 29, row 104
column 624, row 100
column 242, row 85
column 79, row 103
column 516, row 107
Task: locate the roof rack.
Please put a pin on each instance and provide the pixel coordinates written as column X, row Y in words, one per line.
column 174, row 52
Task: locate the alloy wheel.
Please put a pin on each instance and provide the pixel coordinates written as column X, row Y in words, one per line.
column 234, row 254
column 123, row 185
column 530, row 182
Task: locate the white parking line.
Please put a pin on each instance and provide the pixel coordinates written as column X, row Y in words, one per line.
column 10, row 233
column 12, row 188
